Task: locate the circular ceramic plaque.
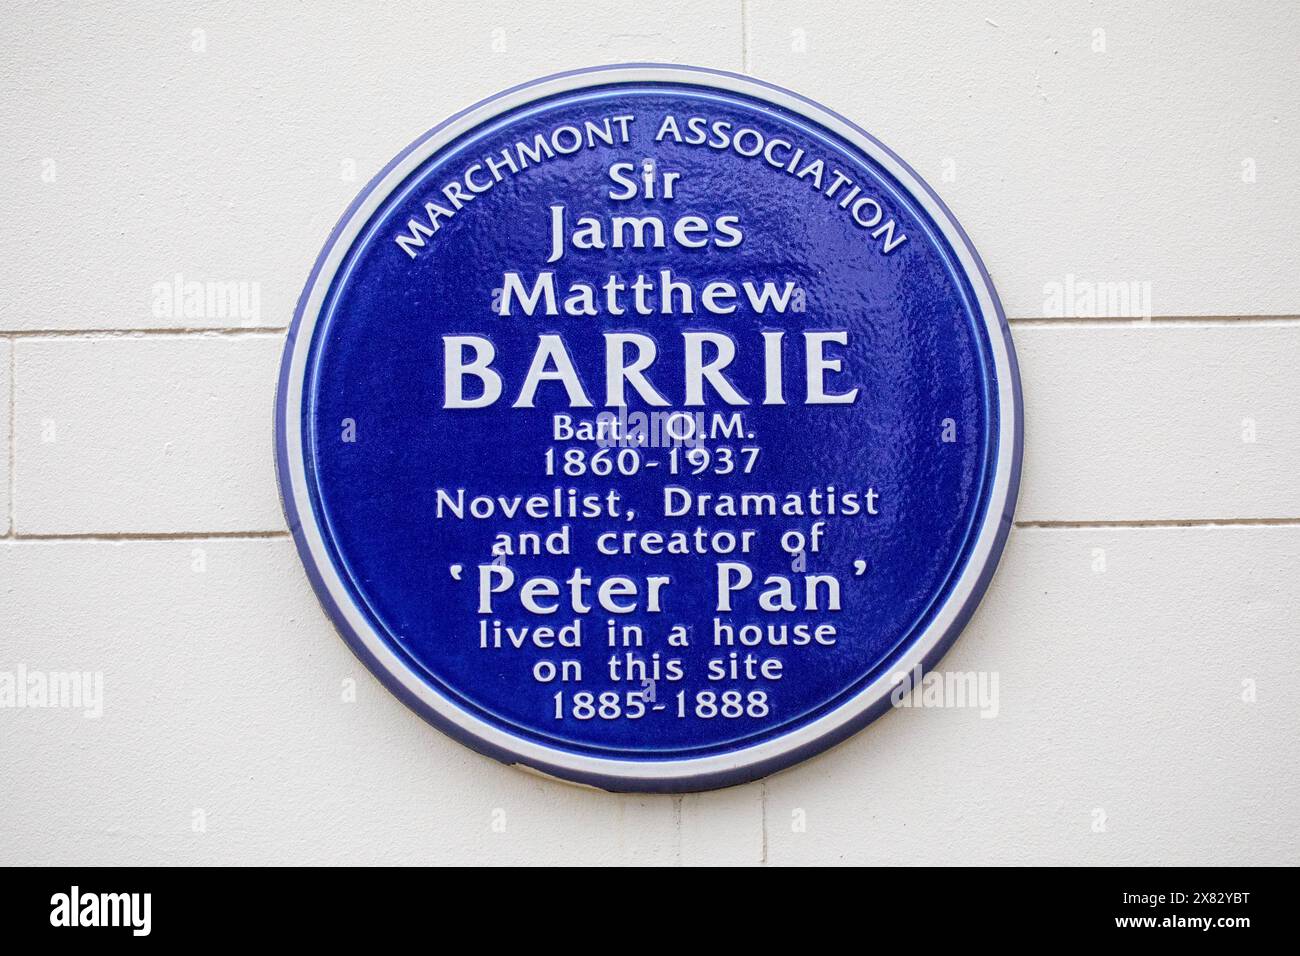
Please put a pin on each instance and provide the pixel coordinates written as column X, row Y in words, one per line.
column 651, row 427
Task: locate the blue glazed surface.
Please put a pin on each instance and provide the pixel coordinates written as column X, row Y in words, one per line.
column 918, row 354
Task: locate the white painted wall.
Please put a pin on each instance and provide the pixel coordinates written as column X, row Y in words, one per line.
column 1153, row 573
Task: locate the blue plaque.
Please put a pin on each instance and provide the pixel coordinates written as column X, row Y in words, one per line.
column 644, row 425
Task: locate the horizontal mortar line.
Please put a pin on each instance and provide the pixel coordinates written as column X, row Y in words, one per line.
column 1030, row 321
column 146, row 536
column 264, row 535
column 1181, row 320
column 277, row 330
column 1168, row 523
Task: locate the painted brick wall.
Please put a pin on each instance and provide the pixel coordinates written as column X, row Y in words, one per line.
column 1144, row 621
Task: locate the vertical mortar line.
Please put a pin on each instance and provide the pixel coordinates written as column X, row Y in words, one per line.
column 13, row 434
column 677, row 824
column 762, row 790
column 744, row 36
